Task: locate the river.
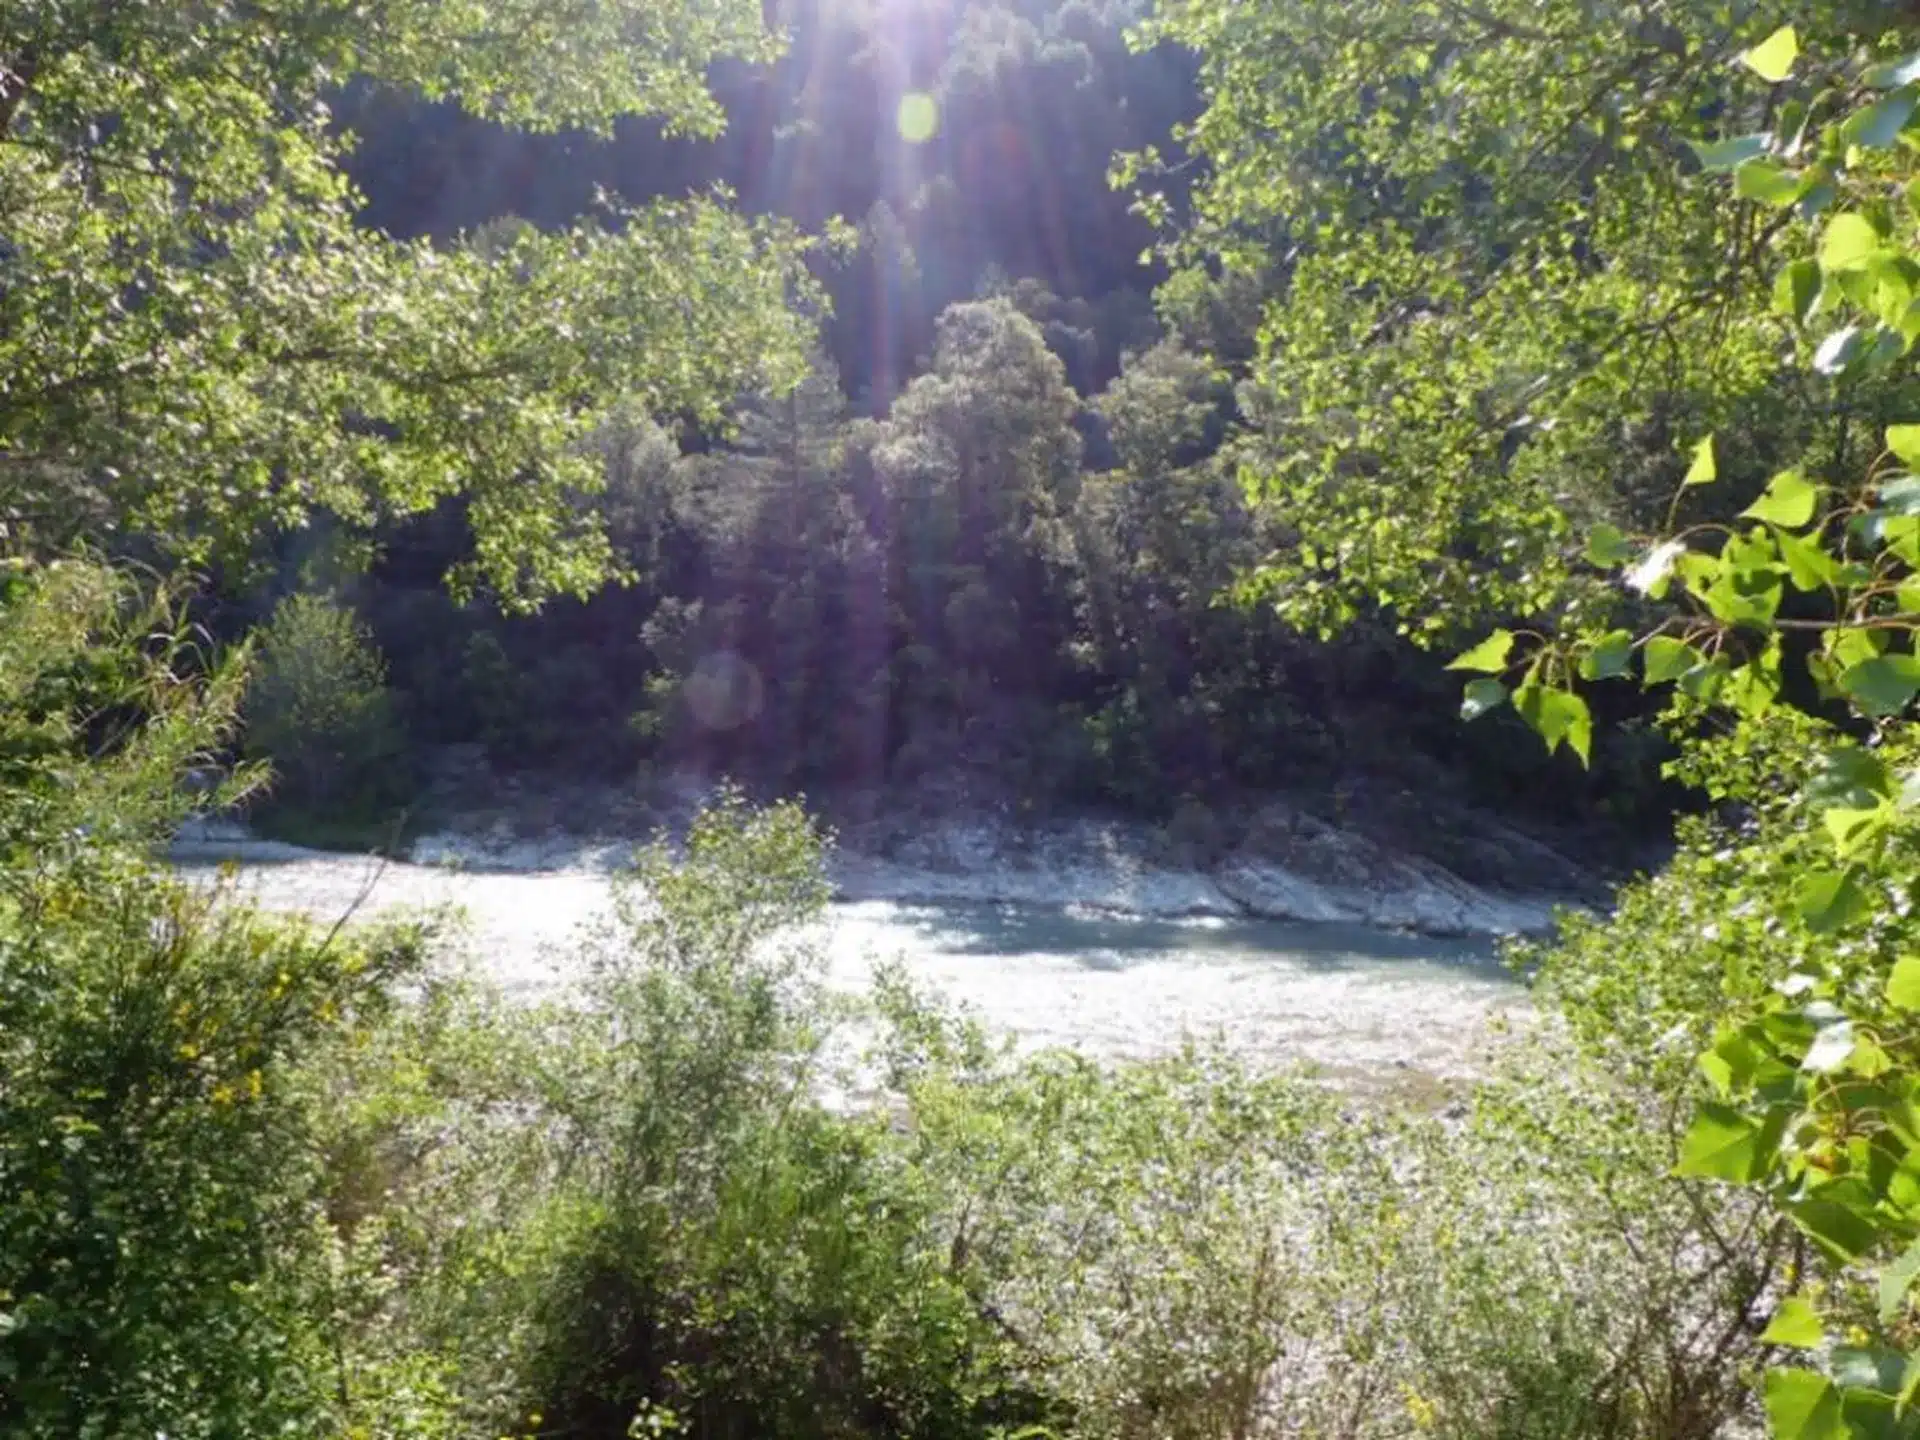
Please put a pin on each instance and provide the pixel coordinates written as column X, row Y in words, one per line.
column 1360, row 1003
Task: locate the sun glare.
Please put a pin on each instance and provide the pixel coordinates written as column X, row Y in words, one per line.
column 918, row 117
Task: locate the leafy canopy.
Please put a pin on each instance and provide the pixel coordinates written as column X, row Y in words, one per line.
column 196, row 341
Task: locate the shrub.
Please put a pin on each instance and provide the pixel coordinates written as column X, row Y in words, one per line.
column 157, row 1250
column 1183, row 1248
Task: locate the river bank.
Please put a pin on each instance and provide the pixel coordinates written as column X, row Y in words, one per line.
column 1393, row 862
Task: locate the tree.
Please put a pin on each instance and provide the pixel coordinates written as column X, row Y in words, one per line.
column 1729, row 249
column 319, row 711
column 1506, row 290
column 980, row 460
column 198, row 342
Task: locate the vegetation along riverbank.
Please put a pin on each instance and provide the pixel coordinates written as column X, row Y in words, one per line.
column 1292, row 451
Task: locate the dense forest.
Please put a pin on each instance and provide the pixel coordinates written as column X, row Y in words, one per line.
column 1127, row 406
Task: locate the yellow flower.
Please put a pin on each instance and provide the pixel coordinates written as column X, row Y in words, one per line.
column 1421, row 1411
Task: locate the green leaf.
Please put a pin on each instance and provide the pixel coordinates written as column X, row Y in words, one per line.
column 1703, row 470
column 1884, row 685
column 1809, row 566
column 1724, row 1144
column 1896, row 1280
column 1802, row 1405
column 1850, row 242
column 1481, row 696
column 1849, row 826
column 1817, row 198
column 1720, row 156
column 1767, row 181
column 1828, row 900
column 1880, row 124
column 1610, row 657
column 1789, row 501
column 1796, row 289
column 1839, row 1229
column 1669, row 659
column 1903, row 983
column 1850, row 777
column 1795, row 1323
column 1557, row 716
column 1608, row 548
column 1489, row 656
column 1772, row 59
column 1904, row 441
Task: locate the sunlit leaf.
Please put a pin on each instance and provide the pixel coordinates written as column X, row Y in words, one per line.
column 1789, row 500
column 1608, row 548
column 1772, row 59
column 1904, row 441
column 1557, row 716
column 1809, row 566
column 1767, row 181
column 1610, row 657
column 1802, row 1405
column 1489, row 656
column 1669, row 659
column 1897, row 1279
column 1850, row 826
column 1850, row 242
column 1724, row 1144
column 1703, row 470
column 1839, row 1229
column 1903, row 983
column 1829, row 900
column 1795, row 1323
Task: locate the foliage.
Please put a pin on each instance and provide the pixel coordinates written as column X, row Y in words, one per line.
column 1778, row 949
column 156, row 1250
column 262, row 1186
column 642, row 1206
column 319, row 712
column 1508, row 293
column 201, row 343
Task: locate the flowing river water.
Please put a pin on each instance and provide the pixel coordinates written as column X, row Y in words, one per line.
column 1361, row 1004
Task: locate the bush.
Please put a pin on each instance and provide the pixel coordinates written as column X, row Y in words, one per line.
column 158, row 1256
column 319, row 712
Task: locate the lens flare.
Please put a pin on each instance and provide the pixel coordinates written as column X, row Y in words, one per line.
column 918, row 117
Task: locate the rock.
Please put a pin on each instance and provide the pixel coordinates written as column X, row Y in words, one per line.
column 941, row 842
